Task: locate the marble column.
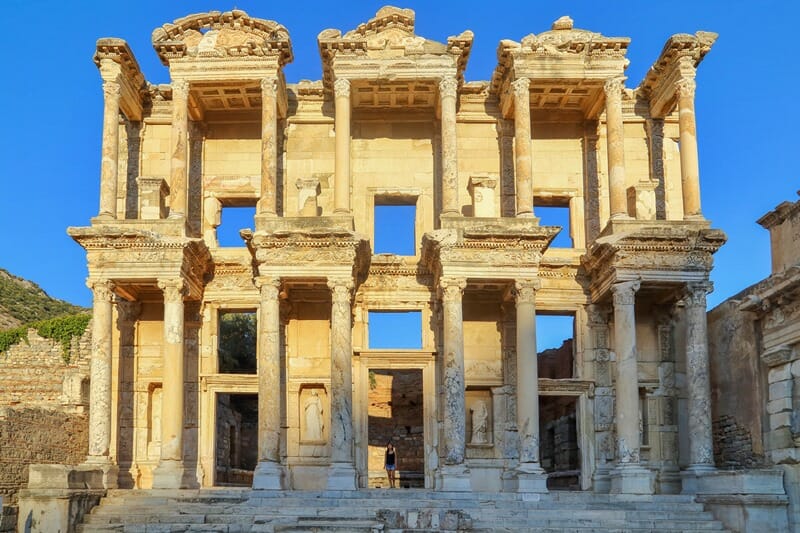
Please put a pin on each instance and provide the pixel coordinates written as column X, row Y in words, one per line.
column 100, row 370
column 267, row 205
column 109, row 165
column 171, row 472
column 690, row 168
column 448, row 94
column 523, row 166
column 341, row 179
column 453, row 474
column 342, row 473
column 179, row 139
column 530, row 475
column 269, row 473
column 701, row 445
column 628, row 476
column 615, row 136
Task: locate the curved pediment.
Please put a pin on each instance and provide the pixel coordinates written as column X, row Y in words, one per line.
column 222, row 34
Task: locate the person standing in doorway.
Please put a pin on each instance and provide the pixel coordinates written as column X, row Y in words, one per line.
column 390, row 463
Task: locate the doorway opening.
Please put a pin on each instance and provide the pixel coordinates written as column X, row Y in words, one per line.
column 560, row 450
column 396, row 415
column 236, row 439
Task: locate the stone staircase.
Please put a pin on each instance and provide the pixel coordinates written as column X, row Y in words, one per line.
column 398, row 510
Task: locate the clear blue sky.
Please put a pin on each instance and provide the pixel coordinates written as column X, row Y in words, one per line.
column 51, row 123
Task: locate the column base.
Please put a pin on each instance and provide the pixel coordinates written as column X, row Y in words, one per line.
column 453, row 478
column 692, row 477
column 669, row 480
column 601, row 480
column 269, row 475
column 341, row 476
column 171, row 474
column 110, row 470
column 531, row 478
column 632, row 478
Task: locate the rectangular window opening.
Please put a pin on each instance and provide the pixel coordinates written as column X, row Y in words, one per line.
column 555, row 345
column 395, row 330
column 395, row 226
column 233, row 219
column 555, row 212
column 237, row 342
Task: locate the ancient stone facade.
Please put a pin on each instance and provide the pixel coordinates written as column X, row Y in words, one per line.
column 393, row 122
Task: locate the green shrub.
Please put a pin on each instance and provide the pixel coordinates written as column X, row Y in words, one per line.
column 61, row 329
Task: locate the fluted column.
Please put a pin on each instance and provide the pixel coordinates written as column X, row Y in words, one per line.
column 615, row 136
column 179, row 137
column 269, row 473
column 628, row 476
column 523, row 166
column 342, row 474
column 690, row 168
column 530, row 475
column 109, row 164
column 448, row 88
column 100, row 369
column 267, row 205
column 453, row 474
column 170, row 472
column 701, row 445
column 341, row 179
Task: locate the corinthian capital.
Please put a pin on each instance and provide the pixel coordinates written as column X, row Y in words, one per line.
column 451, row 289
column 521, row 88
column 448, row 86
column 174, row 289
column 685, row 87
column 180, row 90
column 269, row 86
column 695, row 293
column 613, row 89
column 111, row 89
column 525, row 290
column 102, row 289
column 341, row 88
column 269, row 286
column 625, row 292
column 341, row 289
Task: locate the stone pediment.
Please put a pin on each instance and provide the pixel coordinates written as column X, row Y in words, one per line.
column 222, row 34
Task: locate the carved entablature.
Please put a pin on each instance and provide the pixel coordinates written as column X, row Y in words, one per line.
column 467, row 247
column 137, row 258
column 678, row 61
column 662, row 255
column 118, row 65
column 231, row 277
column 585, row 60
column 232, row 34
column 386, row 46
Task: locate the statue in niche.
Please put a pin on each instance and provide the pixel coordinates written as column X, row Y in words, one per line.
column 480, row 423
column 312, row 408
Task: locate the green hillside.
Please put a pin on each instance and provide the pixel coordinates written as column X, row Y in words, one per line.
column 23, row 302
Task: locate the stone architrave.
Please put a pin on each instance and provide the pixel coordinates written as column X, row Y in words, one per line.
column 701, row 445
column 341, row 177
column 690, row 168
column 448, row 94
column 109, row 166
column 171, row 472
column 530, row 475
column 454, row 474
column 269, row 474
column 629, row 477
column 342, row 474
column 523, row 164
column 179, row 142
column 267, row 205
column 615, row 136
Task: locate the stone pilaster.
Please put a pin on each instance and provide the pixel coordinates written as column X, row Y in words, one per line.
column 171, row 472
column 523, row 166
column 448, row 94
column 453, row 473
column 269, row 473
column 615, row 136
column 109, row 165
column 701, row 447
column 690, row 168
column 179, row 138
column 267, row 205
column 530, row 475
column 597, row 346
column 341, row 179
column 342, row 474
column 628, row 476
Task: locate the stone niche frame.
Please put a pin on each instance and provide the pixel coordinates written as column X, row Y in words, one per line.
column 473, row 397
column 305, row 393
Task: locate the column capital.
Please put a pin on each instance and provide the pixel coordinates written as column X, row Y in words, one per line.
column 597, row 315
column 180, row 88
column 174, row 289
column 695, row 293
column 111, row 89
column 270, row 286
column 341, row 88
column 521, row 88
column 269, row 86
column 341, row 289
column 103, row 289
column 685, row 87
column 127, row 311
column 625, row 292
column 613, row 88
column 448, row 86
column 525, row 290
column 452, row 288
